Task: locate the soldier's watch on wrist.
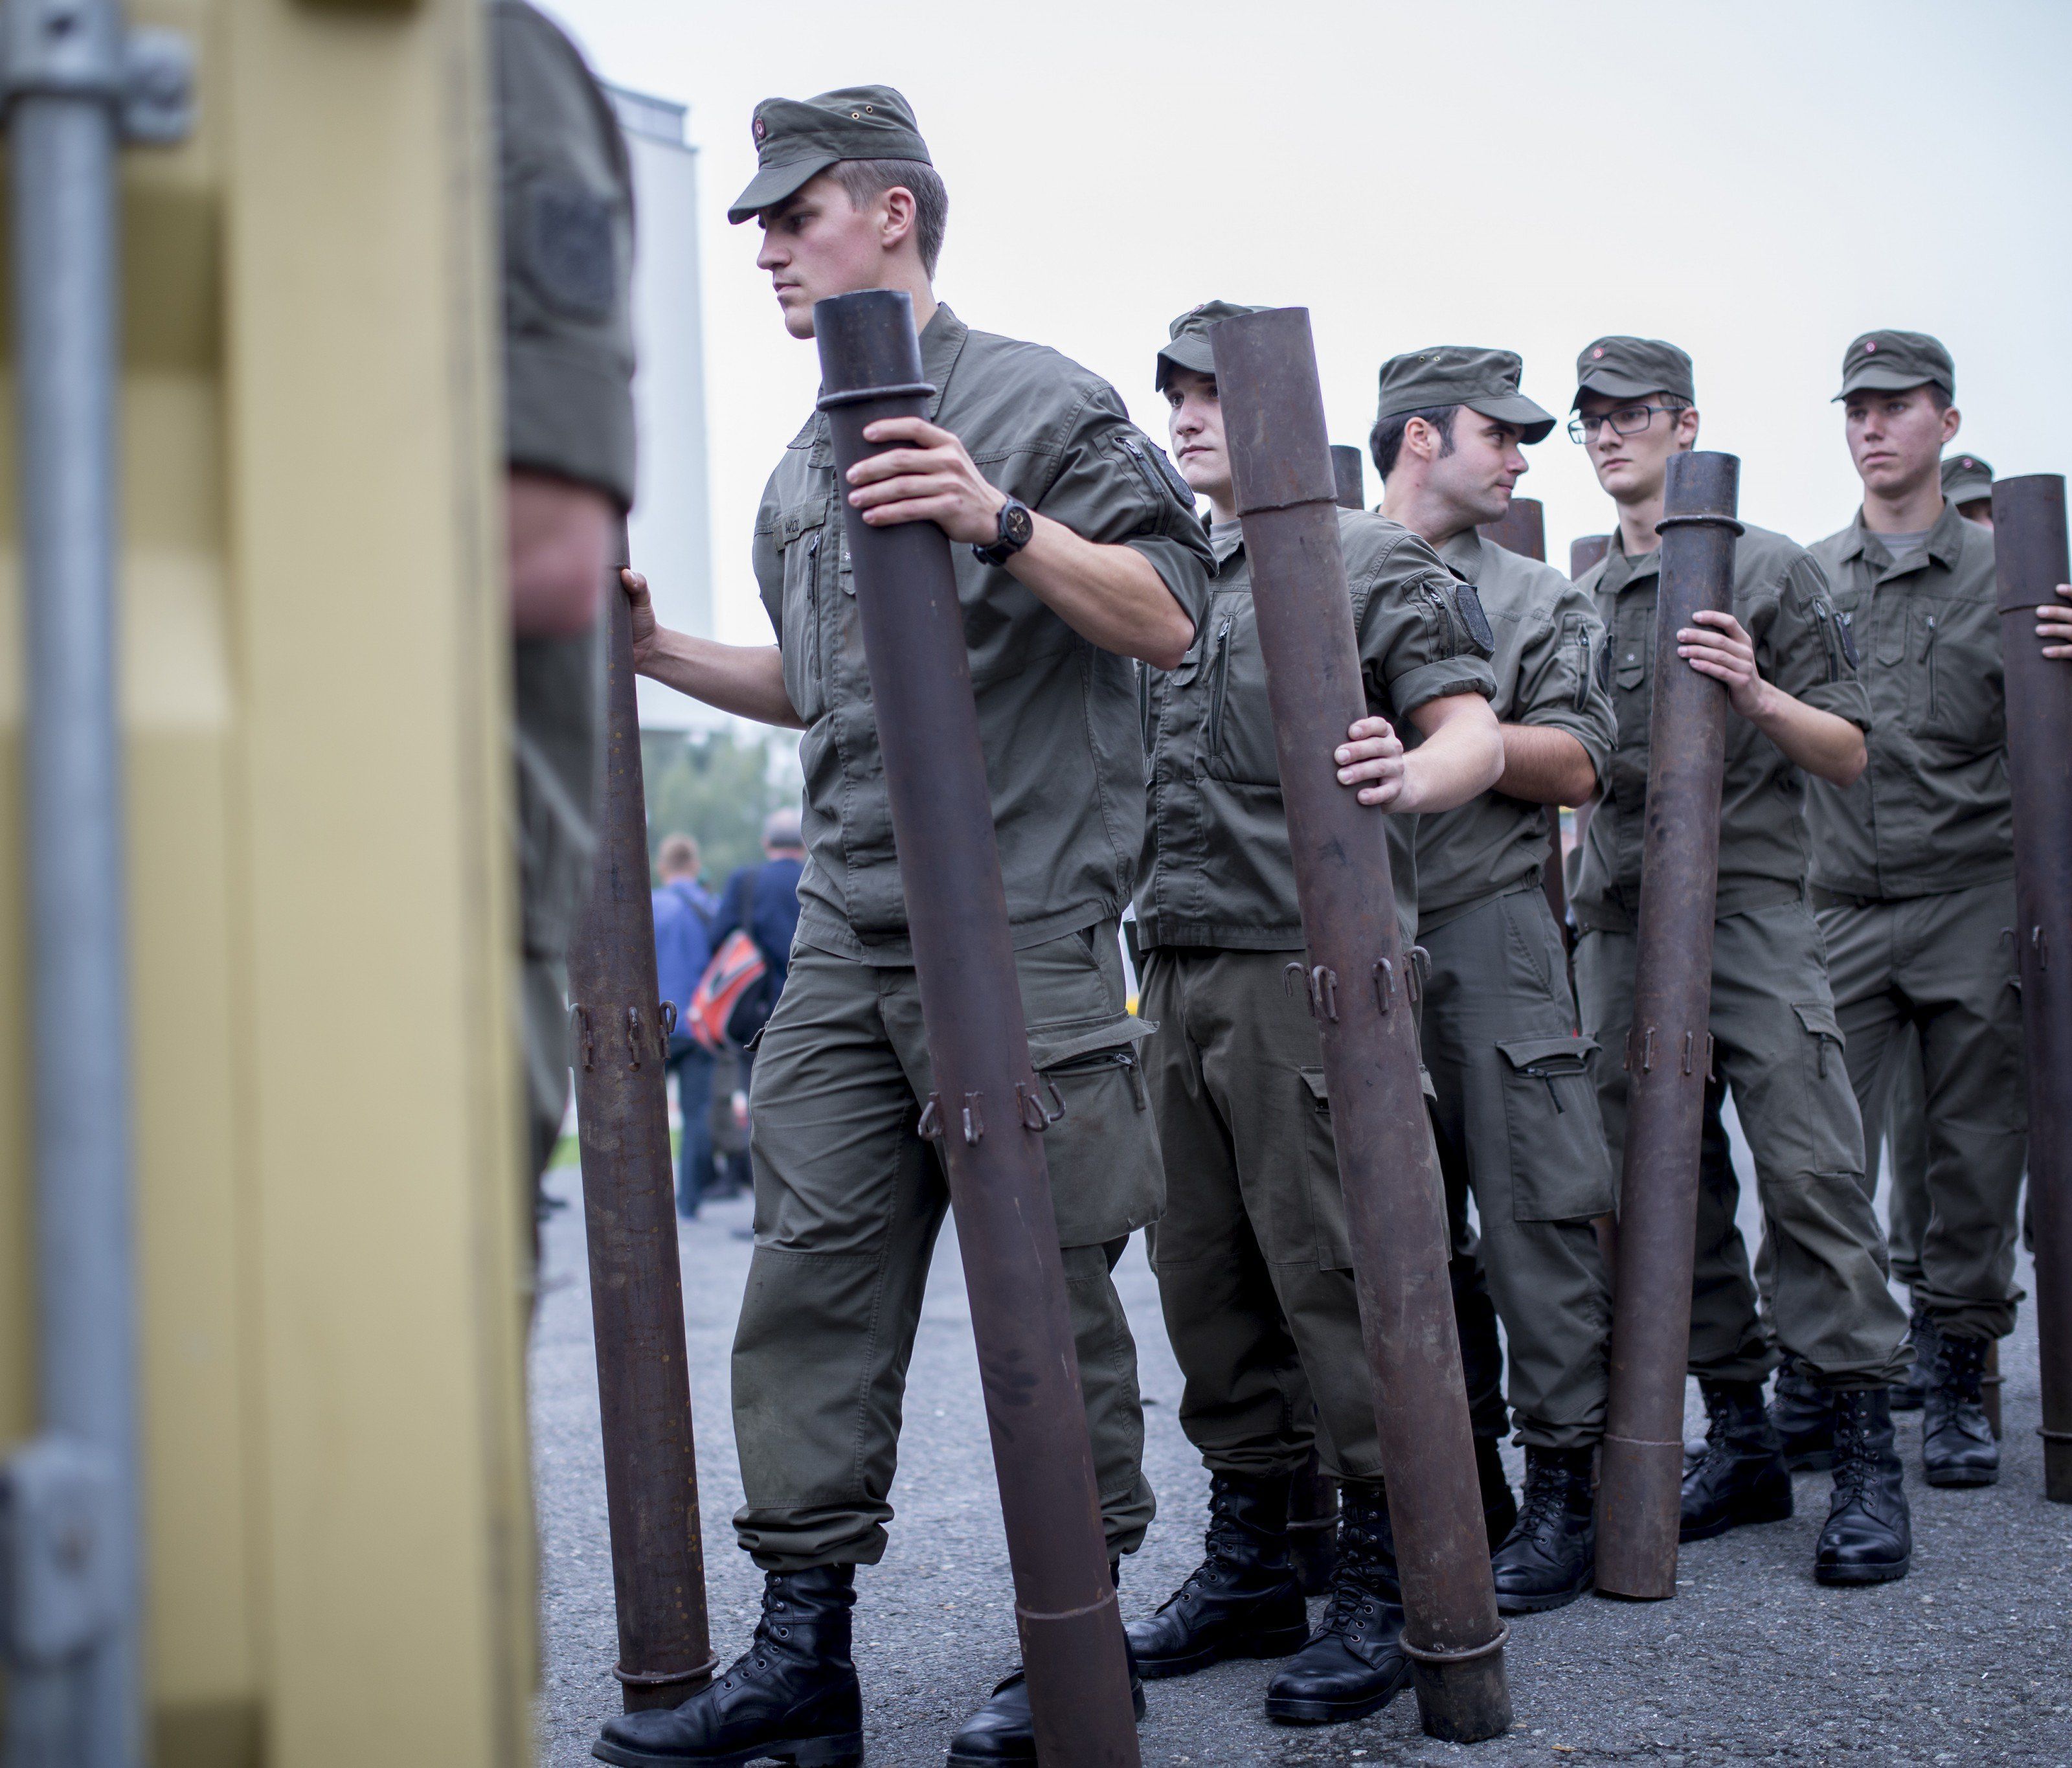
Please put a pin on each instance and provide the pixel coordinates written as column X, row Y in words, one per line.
column 1017, row 527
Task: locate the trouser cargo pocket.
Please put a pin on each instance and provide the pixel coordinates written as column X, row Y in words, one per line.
column 1106, row 1176
column 1560, row 1168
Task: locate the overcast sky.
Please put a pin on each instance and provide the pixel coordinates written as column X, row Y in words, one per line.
column 1757, row 182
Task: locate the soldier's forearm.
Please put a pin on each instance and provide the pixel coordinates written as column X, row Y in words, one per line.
column 1544, row 765
column 1460, row 757
column 1823, row 743
column 745, row 679
column 1112, row 596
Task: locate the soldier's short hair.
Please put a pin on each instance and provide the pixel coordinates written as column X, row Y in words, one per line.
column 677, row 854
column 1385, row 440
column 866, row 179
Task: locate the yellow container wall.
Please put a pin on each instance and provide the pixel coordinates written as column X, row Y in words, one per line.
column 314, row 679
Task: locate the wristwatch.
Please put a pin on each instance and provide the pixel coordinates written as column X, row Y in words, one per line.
column 1018, row 527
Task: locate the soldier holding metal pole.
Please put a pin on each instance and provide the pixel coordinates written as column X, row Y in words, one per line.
column 1796, row 709
column 1075, row 549
column 1514, row 1114
column 1912, row 880
column 1253, row 1257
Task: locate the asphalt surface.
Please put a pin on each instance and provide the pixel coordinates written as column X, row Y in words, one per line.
column 1967, row 1661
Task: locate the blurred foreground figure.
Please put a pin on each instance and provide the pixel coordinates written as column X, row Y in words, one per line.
column 567, row 218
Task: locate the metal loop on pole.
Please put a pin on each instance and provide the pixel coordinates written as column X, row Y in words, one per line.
column 1418, row 1655
column 1702, row 519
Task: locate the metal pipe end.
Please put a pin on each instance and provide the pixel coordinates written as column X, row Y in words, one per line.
column 1273, row 410
column 1702, row 485
column 867, row 342
column 1464, row 1702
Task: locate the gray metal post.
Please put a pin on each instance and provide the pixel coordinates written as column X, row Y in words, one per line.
column 73, row 1589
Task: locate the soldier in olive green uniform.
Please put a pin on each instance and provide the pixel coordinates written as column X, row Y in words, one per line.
column 849, row 1198
column 1797, row 709
column 567, row 216
column 1514, row 1109
column 1913, row 869
column 1254, row 1271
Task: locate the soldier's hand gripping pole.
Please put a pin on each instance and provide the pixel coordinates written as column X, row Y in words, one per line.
column 619, row 1037
column 986, row 1108
column 1280, row 467
column 1668, row 1053
column 2030, row 547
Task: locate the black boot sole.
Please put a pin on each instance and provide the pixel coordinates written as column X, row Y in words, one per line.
column 1960, row 1476
column 1862, row 1574
column 1285, row 1711
column 1545, row 1600
column 1285, row 1643
column 839, row 1751
column 1744, row 1514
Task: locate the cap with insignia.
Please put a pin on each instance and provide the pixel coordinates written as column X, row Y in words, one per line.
column 1966, row 478
column 1187, row 339
column 797, row 139
column 1451, row 374
column 1889, row 361
column 1621, row 368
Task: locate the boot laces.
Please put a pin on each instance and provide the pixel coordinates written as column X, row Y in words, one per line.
column 1546, row 1497
column 1964, row 1368
column 1361, row 1568
column 1852, row 1449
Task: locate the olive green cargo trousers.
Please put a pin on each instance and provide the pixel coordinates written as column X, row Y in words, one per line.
column 848, row 1200
column 1778, row 1045
column 1516, row 1122
column 1946, row 966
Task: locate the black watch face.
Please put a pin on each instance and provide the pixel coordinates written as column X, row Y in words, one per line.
column 1016, row 525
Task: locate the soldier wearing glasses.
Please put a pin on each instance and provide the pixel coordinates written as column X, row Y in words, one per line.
column 1798, row 711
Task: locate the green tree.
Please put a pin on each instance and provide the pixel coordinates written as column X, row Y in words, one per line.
column 717, row 788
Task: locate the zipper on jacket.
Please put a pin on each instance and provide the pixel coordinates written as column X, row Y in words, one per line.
column 1144, row 706
column 1583, row 675
column 1160, row 493
column 1928, row 657
column 1218, row 685
column 1829, row 641
column 1536, row 1072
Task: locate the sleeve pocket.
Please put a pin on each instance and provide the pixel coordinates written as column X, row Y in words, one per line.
column 1560, row 1167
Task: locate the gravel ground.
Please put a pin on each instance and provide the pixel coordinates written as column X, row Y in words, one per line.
column 1968, row 1661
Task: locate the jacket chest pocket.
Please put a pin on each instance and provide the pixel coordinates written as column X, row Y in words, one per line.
column 1561, row 1169
column 1959, row 689
column 1237, row 721
column 803, row 536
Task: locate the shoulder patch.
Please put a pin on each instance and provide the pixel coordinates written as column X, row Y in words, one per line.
column 567, row 248
column 1468, row 604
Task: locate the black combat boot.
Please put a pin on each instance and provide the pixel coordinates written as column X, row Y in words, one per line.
column 1913, row 1389
column 1499, row 1507
column 1802, row 1415
column 1242, row 1600
column 1550, row 1557
column 1869, row 1538
column 1957, row 1445
column 1739, row 1477
column 1354, row 1662
column 792, row 1695
column 1004, row 1730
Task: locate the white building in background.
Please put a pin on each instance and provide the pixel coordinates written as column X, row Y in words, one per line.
column 671, row 526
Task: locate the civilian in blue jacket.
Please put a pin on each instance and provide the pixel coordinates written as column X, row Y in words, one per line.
column 683, row 942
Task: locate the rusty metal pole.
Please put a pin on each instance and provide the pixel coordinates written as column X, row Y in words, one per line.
column 2029, row 545
column 985, row 1110
column 1360, row 987
column 1313, row 1501
column 1349, row 476
column 1668, row 1051
column 619, row 1039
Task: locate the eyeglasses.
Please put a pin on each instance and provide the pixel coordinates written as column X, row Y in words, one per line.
column 1627, row 421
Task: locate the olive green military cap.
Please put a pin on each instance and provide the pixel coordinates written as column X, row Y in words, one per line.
column 797, row 139
column 1889, row 361
column 1187, row 339
column 1451, row 374
column 1629, row 367
column 1966, row 478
